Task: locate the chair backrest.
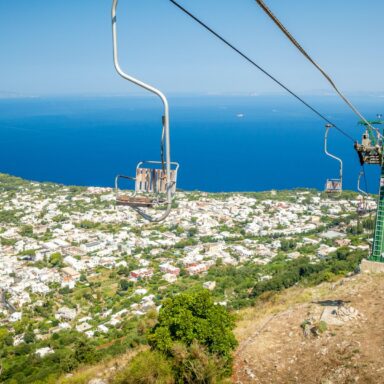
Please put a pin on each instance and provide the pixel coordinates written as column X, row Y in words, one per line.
column 152, row 180
column 333, row 185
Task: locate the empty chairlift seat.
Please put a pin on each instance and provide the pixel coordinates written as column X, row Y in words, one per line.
column 333, row 185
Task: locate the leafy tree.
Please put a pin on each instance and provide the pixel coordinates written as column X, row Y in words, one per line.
column 193, row 316
column 26, row 230
column 83, row 278
column 6, row 242
column 125, row 285
column 56, row 259
column 5, row 337
column 29, row 337
column 185, row 243
column 59, row 218
column 66, row 359
column 287, row 245
column 192, row 232
column 84, row 352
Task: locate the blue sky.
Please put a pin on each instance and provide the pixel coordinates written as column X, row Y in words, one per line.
column 64, row 47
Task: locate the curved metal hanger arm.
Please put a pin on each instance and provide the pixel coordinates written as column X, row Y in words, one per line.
column 327, row 127
column 359, row 185
column 166, row 130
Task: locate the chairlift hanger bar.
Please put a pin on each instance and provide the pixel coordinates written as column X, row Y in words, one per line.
column 247, row 58
column 283, row 29
column 364, row 193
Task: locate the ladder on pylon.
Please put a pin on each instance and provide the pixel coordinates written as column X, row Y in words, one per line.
column 378, row 239
column 370, row 151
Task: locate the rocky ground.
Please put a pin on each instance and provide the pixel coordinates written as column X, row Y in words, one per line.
column 329, row 334
column 333, row 333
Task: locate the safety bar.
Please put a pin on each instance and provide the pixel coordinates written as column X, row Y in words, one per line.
column 164, row 100
column 118, row 177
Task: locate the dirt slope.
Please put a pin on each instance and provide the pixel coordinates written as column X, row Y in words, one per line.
column 278, row 345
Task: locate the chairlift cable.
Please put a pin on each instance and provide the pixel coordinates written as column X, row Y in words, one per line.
column 247, row 58
column 283, row 29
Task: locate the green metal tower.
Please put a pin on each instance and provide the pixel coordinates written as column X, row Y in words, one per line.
column 378, row 238
column 371, row 151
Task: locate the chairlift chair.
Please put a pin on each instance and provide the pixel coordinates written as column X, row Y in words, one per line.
column 155, row 181
column 364, row 193
column 333, row 185
column 150, row 185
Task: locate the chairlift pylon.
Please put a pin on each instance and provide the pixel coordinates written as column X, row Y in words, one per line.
column 333, row 185
column 155, row 181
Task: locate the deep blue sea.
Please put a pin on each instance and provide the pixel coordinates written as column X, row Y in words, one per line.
column 278, row 144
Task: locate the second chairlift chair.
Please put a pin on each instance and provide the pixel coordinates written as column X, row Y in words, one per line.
column 362, row 205
column 155, row 181
column 333, row 185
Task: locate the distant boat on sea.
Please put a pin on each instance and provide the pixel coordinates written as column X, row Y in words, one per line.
column 33, row 131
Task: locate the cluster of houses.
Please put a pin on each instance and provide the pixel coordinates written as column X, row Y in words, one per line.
column 60, row 249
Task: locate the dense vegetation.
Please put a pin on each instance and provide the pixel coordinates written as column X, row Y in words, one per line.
column 286, row 275
column 192, row 342
column 189, row 325
column 21, row 365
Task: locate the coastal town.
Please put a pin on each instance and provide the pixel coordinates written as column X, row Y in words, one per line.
column 73, row 260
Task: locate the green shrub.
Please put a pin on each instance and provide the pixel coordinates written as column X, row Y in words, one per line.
column 149, row 367
column 322, row 326
column 194, row 365
column 193, row 316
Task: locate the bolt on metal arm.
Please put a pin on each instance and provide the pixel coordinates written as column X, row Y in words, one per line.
column 164, row 100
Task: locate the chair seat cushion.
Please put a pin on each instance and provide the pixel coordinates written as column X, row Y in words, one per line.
column 134, row 201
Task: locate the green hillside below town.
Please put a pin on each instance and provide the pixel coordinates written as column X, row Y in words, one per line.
column 85, row 283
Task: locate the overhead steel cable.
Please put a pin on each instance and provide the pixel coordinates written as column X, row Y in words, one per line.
column 247, row 58
column 283, row 29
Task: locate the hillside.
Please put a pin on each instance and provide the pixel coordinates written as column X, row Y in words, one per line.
column 83, row 281
column 274, row 349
